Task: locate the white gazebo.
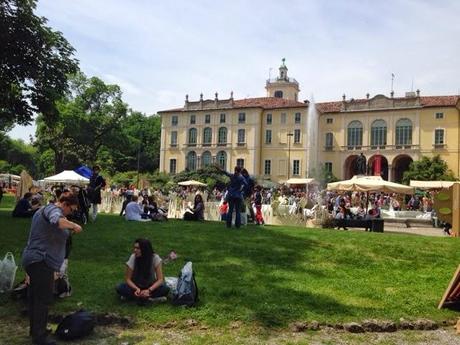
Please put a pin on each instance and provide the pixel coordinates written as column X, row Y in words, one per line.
column 67, row 177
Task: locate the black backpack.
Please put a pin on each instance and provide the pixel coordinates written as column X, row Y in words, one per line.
column 76, row 325
column 187, row 289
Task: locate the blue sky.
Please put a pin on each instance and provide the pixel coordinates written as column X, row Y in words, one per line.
column 158, row 51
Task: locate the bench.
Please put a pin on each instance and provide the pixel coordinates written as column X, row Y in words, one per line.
column 375, row 225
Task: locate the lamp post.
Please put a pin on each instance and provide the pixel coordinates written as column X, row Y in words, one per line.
column 289, row 135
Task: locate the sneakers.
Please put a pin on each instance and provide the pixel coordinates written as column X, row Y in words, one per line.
column 156, row 300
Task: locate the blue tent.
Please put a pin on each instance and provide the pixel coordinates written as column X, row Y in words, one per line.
column 84, row 171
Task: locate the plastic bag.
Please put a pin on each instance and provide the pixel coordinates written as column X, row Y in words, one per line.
column 7, row 272
column 171, row 282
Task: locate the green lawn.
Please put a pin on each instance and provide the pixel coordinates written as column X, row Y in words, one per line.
column 266, row 276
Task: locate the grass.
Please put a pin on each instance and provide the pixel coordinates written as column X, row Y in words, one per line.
column 262, row 276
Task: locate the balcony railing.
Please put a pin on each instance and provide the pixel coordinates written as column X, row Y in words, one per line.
column 378, row 147
column 439, row 146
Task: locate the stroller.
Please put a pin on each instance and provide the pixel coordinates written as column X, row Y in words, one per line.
column 81, row 215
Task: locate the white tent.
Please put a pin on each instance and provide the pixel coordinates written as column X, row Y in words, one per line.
column 192, row 183
column 67, row 177
column 431, row 184
column 301, row 181
column 370, row 184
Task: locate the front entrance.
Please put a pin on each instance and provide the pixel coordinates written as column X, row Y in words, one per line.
column 400, row 165
column 350, row 168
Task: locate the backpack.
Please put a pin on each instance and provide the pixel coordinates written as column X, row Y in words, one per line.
column 76, row 325
column 187, row 289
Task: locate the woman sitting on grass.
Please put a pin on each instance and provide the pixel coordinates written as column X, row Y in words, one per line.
column 197, row 212
column 144, row 275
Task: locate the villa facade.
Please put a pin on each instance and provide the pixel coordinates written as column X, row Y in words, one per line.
column 272, row 136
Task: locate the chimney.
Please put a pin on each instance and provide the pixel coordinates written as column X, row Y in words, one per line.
column 186, row 102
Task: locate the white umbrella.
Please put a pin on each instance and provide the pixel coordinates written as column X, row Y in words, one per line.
column 67, row 177
column 370, row 184
column 301, row 181
column 192, row 183
column 431, row 184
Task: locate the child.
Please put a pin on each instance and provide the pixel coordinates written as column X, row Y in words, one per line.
column 223, row 210
column 258, row 203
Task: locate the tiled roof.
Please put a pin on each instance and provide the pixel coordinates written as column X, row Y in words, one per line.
column 325, row 107
column 425, row 101
column 260, row 102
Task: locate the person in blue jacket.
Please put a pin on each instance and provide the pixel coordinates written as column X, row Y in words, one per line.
column 235, row 191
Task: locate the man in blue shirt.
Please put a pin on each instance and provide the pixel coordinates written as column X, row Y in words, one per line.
column 235, row 190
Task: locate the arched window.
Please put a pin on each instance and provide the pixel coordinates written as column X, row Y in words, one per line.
column 222, row 159
column 207, row 136
column 191, row 161
column 206, row 159
column 192, row 136
column 355, row 134
column 279, row 94
column 378, row 133
column 222, row 135
column 403, row 132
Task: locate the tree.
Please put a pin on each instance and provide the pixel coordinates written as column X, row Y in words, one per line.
column 428, row 169
column 16, row 155
column 34, row 63
column 88, row 120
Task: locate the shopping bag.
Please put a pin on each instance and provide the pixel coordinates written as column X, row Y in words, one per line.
column 7, row 272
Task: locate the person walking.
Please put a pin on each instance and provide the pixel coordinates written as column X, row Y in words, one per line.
column 235, row 196
column 96, row 183
column 44, row 255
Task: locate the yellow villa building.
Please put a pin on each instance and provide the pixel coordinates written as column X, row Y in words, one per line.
column 277, row 137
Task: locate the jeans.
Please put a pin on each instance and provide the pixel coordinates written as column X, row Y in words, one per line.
column 94, row 215
column 234, row 204
column 40, row 295
column 125, row 290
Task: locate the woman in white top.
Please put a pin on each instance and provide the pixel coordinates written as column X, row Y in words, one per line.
column 144, row 274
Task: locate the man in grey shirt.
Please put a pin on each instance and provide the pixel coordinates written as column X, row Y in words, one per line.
column 44, row 255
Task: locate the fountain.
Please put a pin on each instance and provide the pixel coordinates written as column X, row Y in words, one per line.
column 312, row 138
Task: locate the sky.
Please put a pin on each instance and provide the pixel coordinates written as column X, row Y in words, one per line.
column 159, row 51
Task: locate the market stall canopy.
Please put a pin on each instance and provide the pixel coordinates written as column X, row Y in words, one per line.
column 192, row 183
column 370, row 184
column 67, row 177
column 432, row 184
column 302, row 181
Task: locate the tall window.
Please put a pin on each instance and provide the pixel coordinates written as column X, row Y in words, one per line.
column 240, row 162
column 268, row 136
column 267, row 167
column 355, row 134
column 378, row 133
column 403, row 132
column 241, row 117
column 222, row 136
column 269, row 119
column 174, row 120
column 172, row 166
column 222, row 118
column 297, row 118
column 283, row 118
column 439, row 136
column 191, row 161
column 207, row 136
column 192, row 136
column 296, row 167
column 222, row 159
column 329, row 145
column 192, row 119
column 206, row 159
column 296, row 136
column 241, row 136
column 207, row 118
column 174, row 138
column 328, row 167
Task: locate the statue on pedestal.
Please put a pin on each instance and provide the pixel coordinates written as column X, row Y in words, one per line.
column 361, row 165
